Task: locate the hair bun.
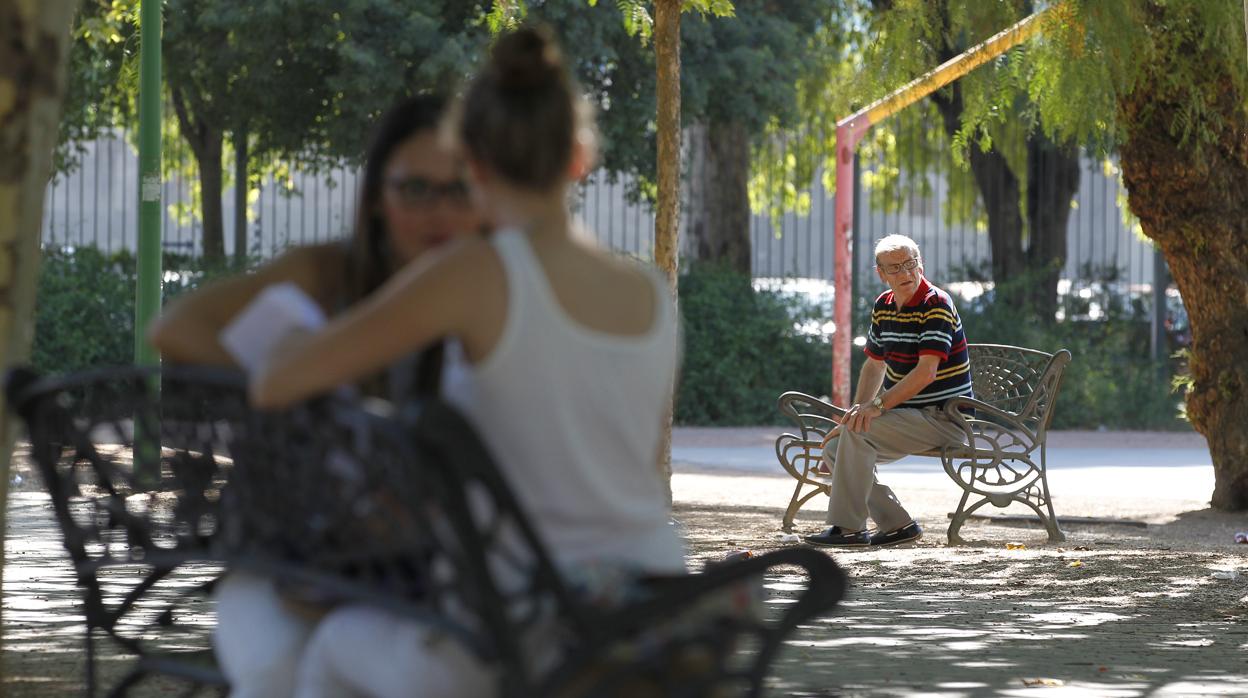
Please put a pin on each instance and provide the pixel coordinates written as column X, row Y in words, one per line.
column 526, row 59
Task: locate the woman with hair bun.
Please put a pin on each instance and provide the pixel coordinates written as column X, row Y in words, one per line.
column 570, row 355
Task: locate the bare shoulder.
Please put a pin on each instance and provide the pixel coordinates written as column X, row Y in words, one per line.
column 470, row 260
column 307, row 262
column 641, row 278
column 612, row 294
column 320, row 270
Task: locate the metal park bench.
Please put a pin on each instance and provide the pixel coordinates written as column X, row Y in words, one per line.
column 143, row 554
column 1003, row 458
column 340, row 506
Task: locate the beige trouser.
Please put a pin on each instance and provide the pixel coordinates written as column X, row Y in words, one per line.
column 856, row 493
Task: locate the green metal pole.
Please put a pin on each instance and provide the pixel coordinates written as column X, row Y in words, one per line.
column 147, row 300
column 147, row 303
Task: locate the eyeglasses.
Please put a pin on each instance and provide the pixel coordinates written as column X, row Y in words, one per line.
column 418, row 191
column 898, row 268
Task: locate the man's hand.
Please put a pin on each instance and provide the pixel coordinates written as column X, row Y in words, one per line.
column 832, row 434
column 858, row 418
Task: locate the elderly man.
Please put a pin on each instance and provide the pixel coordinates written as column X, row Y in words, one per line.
column 916, row 351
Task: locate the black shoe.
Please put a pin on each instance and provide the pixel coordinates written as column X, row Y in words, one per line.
column 906, row 534
column 836, row 538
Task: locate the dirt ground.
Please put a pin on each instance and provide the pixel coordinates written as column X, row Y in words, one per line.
column 1114, row 611
column 1156, row 606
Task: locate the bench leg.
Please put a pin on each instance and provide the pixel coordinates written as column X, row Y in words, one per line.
column 1056, row 535
column 959, row 517
column 796, row 502
column 1034, row 494
column 90, row 641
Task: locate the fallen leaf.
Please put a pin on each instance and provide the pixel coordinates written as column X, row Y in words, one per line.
column 1015, row 546
column 1076, row 563
column 1043, row 682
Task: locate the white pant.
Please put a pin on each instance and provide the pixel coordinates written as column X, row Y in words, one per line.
column 361, row 651
column 258, row 640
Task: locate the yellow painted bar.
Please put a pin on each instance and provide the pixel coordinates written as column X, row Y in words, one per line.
column 951, row 70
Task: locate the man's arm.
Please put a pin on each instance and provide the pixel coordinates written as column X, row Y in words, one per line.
column 188, row 329
column 870, row 378
column 913, row 383
column 859, row 417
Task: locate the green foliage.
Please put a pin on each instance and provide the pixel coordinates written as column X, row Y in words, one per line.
column 744, row 69
column 738, row 65
column 1067, row 82
column 309, row 84
column 1072, row 78
column 743, row 348
column 635, row 16
column 84, row 313
column 1111, row 381
column 103, row 77
column 808, row 135
column 505, row 15
column 304, row 83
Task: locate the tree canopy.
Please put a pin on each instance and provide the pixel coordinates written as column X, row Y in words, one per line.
column 302, row 86
column 1164, row 85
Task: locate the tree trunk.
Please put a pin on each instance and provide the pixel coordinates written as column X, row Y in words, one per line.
column 1052, row 180
column 999, row 188
column 1193, row 201
column 211, row 183
column 207, row 144
column 667, row 63
column 34, row 39
column 719, row 203
column 240, row 196
column 667, row 212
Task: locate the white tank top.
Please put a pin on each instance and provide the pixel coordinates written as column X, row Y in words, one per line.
column 573, row 417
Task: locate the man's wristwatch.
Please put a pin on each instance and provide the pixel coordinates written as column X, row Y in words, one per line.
column 878, row 403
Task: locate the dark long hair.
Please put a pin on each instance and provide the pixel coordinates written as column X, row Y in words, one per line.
column 369, row 254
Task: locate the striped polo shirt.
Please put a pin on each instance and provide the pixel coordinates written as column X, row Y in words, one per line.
column 928, row 324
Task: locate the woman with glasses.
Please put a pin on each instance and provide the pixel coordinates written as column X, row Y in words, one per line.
column 413, row 199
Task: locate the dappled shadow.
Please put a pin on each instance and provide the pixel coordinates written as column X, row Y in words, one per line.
column 1206, row 528
column 1116, row 611
column 1113, row 612
column 44, row 647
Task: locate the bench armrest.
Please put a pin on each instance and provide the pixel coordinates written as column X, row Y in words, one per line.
column 826, row 584
column 808, row 451
column 953, row 408
column 810, row 414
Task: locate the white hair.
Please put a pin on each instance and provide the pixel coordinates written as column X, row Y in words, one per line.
column 892, row 243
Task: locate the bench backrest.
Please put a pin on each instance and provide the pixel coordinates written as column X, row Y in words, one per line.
column 343, row 505
column 1023, row 382
column 519, row 593
column 136, row 467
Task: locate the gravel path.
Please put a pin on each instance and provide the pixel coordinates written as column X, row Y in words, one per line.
column 1114, row 611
